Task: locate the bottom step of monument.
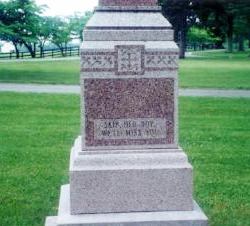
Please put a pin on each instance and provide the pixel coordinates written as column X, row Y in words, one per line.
column 168, row 218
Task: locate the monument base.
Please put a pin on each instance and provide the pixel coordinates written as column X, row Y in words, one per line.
column 129, row 181
column 168, row 218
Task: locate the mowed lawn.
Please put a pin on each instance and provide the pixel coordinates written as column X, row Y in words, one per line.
column 215, row 69
column 37, row 132
column 41, row 72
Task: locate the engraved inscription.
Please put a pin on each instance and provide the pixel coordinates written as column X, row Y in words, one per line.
column 129, row 60
column 133, row 129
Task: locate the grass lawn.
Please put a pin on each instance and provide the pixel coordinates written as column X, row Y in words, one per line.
column 38, row 130
column 209, row 70
column 216, row 70
column 41, row 72
column 215, row 133
column 36, row 134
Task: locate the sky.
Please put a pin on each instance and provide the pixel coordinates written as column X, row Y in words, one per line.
column 67, row 7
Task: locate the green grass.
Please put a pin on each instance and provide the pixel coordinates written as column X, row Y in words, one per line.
column 37, row 132
column 222, row 54
column 215, row 69
column 216, row 135
column 41, row 72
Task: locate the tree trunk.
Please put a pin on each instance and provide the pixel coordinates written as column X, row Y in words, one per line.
column 65, row 49
column 219, row 45
column 230, row 21
column 195, row 46
column 217, row 31
column 183, row 36
column 62, row 50
column 34, row 50
column 17, row 50
column 41, row 51
column 41, row 45
column 32, row 53
column 31, row 48
column 241, row 43
column 182, row 44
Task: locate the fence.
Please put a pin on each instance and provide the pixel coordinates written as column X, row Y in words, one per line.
column 52, row 53
column 75, row 51
column 200, row 47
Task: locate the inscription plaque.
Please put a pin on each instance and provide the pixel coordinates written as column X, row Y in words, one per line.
column 110, row 104
column 141, row 128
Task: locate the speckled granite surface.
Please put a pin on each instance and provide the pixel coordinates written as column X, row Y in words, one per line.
column 140, row 83
column 127, row 2
column 120, row 99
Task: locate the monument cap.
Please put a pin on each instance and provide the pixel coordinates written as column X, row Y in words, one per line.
column 127, row 2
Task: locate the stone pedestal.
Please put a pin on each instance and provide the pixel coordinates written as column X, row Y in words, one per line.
column 167, row 218
column 126, row 168
column 129, row 182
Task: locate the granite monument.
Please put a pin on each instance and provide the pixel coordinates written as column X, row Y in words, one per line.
column 127, row 168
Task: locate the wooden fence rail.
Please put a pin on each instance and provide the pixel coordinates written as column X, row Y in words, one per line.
column 53, row 53
column 75, row 51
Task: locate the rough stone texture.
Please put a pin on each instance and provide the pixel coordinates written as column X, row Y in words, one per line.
column 127, row 2
column 155, row 100
column 126, row 20
column 51, row 221
column 142, row 8
column 129, row 182
column 107, row 45
column 128, row 35
column 171, row 218
column 112, row 74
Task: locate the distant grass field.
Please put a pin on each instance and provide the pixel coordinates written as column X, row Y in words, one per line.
column 216, row 69
column 41, row 72
column 37, row 132
column 211, row 69
column 222, row 54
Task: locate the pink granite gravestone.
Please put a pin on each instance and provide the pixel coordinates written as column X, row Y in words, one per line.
column 127, row 2
column 127, row 168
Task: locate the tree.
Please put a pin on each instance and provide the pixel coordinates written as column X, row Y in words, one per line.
column 226, row 19
column 242, row 25
column 210, row 16
column 229, row 17
column 182, row 15
column 19, row 20
column 44, row 32
column 9, row 24
column 201, row 36
column 1, row 45
column 8, row 35
column 77, row 23
column 61, row 33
